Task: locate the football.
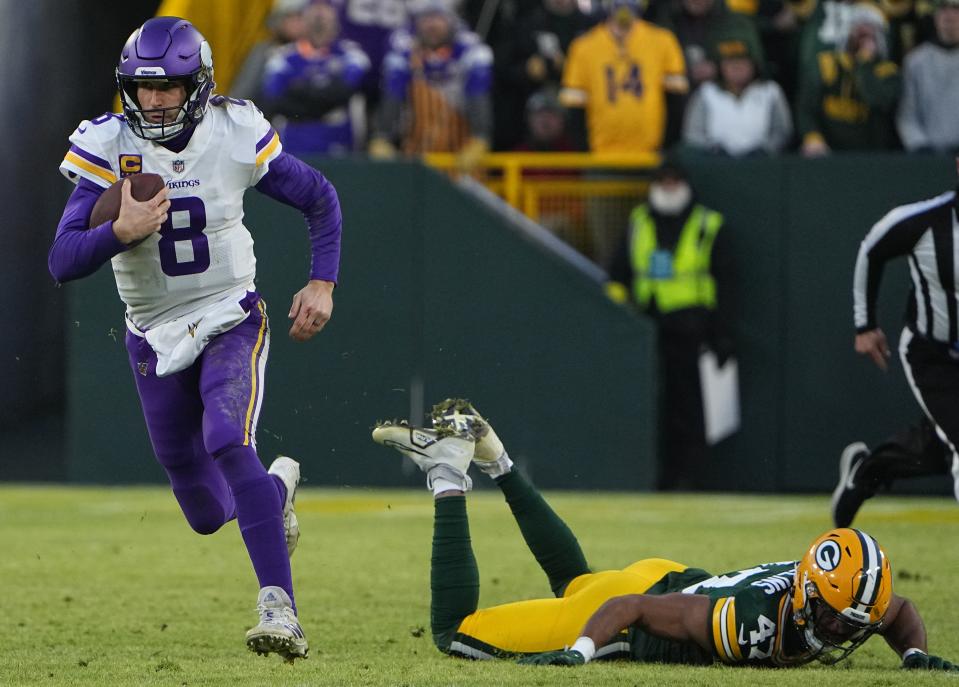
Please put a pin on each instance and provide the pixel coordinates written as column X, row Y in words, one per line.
column 107, row 207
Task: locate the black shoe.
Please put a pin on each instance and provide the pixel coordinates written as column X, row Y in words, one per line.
column 848, row 496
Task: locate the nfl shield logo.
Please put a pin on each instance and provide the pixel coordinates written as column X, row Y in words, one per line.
column 178, row 166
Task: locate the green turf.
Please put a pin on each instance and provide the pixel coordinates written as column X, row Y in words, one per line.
column 109, row 587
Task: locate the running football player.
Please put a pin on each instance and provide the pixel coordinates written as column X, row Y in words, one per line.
column 198, row 335
column 820, row 607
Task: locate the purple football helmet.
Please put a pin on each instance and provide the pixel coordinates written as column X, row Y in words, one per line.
column 165, row 49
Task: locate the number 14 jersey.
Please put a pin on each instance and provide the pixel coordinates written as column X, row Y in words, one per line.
column 203, row 252
column 623, row 85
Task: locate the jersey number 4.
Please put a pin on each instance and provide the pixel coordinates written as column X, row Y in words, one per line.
column 186, row 220
column 632, row 84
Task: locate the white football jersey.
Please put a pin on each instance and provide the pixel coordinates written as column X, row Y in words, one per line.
column 203, row 251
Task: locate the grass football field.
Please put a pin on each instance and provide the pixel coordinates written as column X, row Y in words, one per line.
column 110, row 587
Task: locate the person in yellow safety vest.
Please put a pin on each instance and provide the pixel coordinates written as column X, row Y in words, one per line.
column 673, row 266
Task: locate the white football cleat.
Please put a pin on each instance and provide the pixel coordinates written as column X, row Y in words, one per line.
column 439, row 453
column 459, row 415
column 288, row 470
column 278, row 631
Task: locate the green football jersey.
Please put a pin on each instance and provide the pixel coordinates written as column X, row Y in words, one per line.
column 750, row 621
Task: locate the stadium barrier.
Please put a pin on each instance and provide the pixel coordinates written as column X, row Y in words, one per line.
column 582, row 198
column 440, row 295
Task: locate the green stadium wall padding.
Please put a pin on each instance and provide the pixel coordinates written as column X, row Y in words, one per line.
column 439, row 296
column 796, row 226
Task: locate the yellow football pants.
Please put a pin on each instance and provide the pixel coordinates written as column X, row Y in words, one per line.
column 548, row 624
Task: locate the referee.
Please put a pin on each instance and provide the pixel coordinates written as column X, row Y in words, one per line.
column 927, row 234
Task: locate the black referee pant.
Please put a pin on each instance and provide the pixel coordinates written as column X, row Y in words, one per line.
column 929, row 448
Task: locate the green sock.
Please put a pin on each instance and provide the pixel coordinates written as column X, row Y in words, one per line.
column 547, row 536
column 454, row 577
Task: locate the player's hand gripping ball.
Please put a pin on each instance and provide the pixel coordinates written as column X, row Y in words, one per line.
column 142, row 187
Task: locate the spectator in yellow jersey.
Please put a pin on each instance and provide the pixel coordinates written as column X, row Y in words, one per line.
column 629, row 77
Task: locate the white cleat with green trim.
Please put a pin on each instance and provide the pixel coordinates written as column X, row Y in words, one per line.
column 439, row 453
column 459, row 415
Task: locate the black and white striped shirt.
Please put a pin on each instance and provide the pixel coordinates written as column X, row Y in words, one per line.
column 928, row 233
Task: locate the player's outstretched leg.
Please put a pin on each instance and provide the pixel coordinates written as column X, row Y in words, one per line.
column 549, row 538
column 278, row 631
column 454, row 577
column 914, row 452
column 286, row 472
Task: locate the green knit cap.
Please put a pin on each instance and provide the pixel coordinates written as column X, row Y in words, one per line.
column 737, row 38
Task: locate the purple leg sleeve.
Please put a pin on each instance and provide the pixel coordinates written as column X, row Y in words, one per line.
column 259, row 512
column 211, row 409
column 231, row 384
column 174, row 412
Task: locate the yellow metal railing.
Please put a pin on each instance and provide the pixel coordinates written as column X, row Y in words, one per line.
column 535, row 192
column 583, row 198
column 513, row 169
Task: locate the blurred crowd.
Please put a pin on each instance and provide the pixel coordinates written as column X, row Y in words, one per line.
column 729, row 77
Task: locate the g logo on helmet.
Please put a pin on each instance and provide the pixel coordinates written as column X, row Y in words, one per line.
column 828, row 555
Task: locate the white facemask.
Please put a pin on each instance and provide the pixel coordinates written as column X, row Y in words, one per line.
column 669, row 201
